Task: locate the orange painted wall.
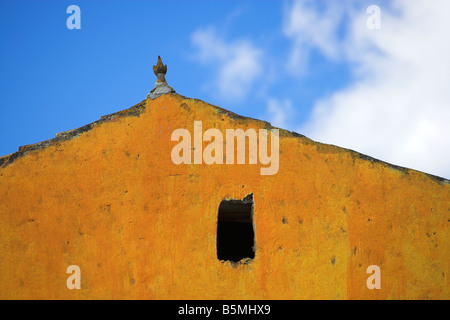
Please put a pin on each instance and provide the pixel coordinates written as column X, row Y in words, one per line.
column 140, row 227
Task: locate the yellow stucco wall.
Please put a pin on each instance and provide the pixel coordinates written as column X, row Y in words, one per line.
column 140, row 227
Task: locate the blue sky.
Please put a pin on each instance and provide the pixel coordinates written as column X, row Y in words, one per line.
column 309, row 66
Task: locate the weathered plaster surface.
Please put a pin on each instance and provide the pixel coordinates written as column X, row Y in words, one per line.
column 108, row 198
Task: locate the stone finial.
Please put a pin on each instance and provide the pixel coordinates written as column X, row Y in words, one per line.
column 160, row 70
column 161, row 86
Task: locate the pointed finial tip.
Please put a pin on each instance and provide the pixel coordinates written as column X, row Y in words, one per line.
column 160, row 67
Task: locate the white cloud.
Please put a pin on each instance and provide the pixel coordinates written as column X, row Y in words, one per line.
column 280, row 113
column 309, row 29
column 238, row 63
column 398, row 108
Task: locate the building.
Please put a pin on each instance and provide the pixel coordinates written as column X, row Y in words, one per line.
column 108, row 198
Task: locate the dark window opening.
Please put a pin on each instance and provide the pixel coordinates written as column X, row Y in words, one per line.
column 235, row 232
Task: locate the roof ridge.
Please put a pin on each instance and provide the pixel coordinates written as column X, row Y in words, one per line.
column 137, row 109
